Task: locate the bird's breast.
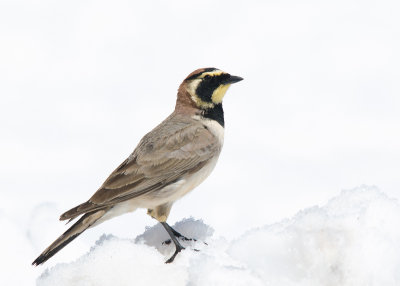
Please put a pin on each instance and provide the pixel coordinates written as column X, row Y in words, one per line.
column 189, row 182
column 214, row 127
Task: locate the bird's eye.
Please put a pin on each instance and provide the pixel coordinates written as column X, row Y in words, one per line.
column 207, row 77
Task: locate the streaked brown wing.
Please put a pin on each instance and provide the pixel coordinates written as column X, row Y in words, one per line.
column 175, row 148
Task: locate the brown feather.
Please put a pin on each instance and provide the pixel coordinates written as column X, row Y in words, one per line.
column 179, row 146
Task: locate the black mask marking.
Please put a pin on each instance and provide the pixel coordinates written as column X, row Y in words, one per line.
column 196, row 75
column 208, row 84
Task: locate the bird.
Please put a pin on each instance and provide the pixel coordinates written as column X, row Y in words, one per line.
column 169, row 161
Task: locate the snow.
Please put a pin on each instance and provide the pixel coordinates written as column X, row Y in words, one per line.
column 15, row 248
column 354, row 239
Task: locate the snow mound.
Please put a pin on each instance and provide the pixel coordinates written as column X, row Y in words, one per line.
column 115, row 261
column 353, row 240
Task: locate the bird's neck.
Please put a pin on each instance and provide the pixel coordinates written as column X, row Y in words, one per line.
column 185, row 105
column 216, row 113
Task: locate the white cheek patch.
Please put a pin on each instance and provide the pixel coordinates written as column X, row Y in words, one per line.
column 191, row 88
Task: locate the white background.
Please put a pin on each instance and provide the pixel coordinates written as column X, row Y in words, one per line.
column 82, row 81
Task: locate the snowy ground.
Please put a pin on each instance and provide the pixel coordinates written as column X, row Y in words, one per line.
column 352, row 240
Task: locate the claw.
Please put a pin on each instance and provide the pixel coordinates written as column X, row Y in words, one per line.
column 177, row 250
column 167, row 242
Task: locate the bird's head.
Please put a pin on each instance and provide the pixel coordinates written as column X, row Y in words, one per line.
column 207, row 86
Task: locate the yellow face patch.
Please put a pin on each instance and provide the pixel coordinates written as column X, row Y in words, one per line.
column 202, row 103
column 219, row 93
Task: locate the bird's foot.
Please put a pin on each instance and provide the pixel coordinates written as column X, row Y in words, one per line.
column 174, row 238
column 181, row 236
column 184, row 238
column 168, row 242
column 177, row 250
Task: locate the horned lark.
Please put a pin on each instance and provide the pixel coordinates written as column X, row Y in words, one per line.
column 171, row 160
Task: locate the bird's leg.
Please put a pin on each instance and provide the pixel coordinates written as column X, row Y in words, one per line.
column 178, row 246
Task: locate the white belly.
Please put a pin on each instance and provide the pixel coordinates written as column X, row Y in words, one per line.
column 177, row 190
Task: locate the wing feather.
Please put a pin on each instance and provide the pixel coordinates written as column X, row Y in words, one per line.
column 177, row 147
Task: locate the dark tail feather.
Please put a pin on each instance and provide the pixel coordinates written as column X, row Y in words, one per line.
column 76, row 229
column 81, row 209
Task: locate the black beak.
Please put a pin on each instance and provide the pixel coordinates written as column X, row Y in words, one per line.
column 233, row 79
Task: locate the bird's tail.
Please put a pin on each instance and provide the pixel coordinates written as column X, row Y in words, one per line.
column 76, row 229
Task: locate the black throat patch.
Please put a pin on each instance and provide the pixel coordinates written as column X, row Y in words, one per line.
column 216, row 113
